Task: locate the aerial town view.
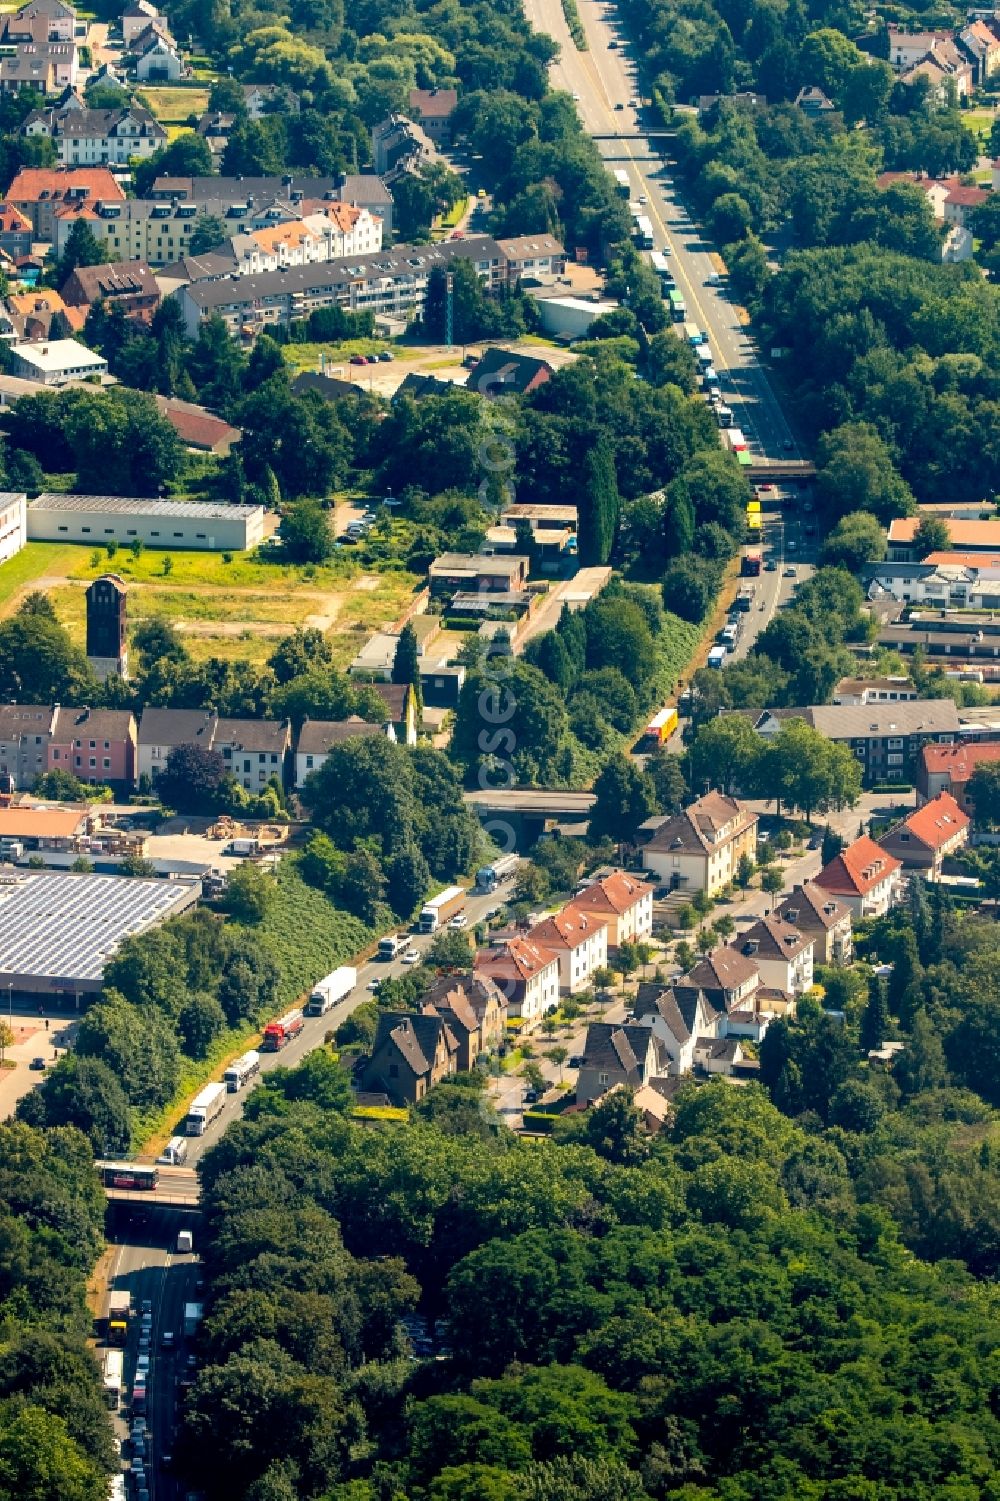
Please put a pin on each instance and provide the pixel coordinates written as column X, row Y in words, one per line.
column 499, row 750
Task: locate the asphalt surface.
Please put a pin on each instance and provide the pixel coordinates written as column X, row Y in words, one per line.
column 146, row 1263
column 599, row 80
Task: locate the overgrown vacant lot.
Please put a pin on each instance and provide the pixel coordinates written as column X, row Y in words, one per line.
column 235, row 610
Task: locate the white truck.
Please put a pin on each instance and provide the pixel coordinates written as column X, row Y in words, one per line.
column 435, row 913
column 391, row 945
column 114, row 1364
column 332, row 988
column 489, row 877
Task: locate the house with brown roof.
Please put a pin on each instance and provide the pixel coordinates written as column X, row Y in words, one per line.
column 623, row 902
column 617, row 1054
column 473, row 996
column 824, row 919
column 197, row 428
column 25, row 736
column 865, row 877
column 783, row 955
column 700, row 848
column 503, row 372
column 318, row 737
column 579, row 940
column 526, row 974
column 39, row 192
column 929, row 835
column 254, row 750
column 432, row 109
column 728, row 979
column 411, row 1054
column 95, row 745
column 948, row 768
column 163, row 730
column 129, row 285
column 45, row 828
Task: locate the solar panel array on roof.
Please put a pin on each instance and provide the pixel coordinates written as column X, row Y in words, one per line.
column 59, row 929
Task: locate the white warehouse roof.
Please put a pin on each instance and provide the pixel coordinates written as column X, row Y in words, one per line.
column 127, row 505
column 59, row 929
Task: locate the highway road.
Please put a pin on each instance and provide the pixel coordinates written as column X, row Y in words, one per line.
column 146, row 1263
column 316, row 1027
column 600, row 80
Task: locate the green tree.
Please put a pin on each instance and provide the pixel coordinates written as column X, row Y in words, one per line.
column 984, row 794
column 39, row 1461
column 82, row 249
column 250, row 893
column 875, row 1020
column 306, row 534
column 208, row 234
column 194, row 780
column 201, row 1022
column 856, row 472
column 856, row 540
column 726, row 753
column 932, row 535
column 599, row 504
column 921, row 1065
column 624, row 798
column 83, row 1092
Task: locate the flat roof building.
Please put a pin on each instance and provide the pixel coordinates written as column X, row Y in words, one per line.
column 58, row 930
column 208, row 526
column 56, row 362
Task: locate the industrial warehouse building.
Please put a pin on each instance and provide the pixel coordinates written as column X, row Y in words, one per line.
column 58, row 930
column 201, row 526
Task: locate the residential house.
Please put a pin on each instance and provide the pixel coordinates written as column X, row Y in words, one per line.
column 215, row 127
column 13, row 523
column 137, row 18
column 91, row 137
column 400, row 147
column 617, row 1054
column 824, row 919
column 441, row 685
column 962, row 202
column 964, row 534
column 677, row 1018
column 410, row 1054
column 254, row 750
column 908, row 47
column 129, row 285
column 41, row 315
column 196, row 427
column 15, row 232
column 25, row 737
column 318, row 737
column 157, row 57
column 40, row 20
column 526, row 974
column 814, row 103
column 885, row 737
column 480, row 996
column 728, row 979
column 40, row 192
column 484, row 572
column 533, row 256
column 503, row 372
column 46, row 67
column 865, row 877
column 700, row 848
column 724, row 1056
column 460, row 1019
column 432, row 109
column 624, row 903
column 928, row 836
column 163, row 730
column 400, row 701
column 579, row 940
column 982, row 45
column 270, row 99
column 60, row 362
column 94, row 745
column 881, row 690
column 783, row 955
column 948, row 768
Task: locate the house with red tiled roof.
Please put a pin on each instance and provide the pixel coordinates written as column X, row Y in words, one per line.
column 962, row 202
column 865, row 877
column 15, row 231
column 623, row 902
column 39, row 192
column 929, row 835
column 198, row 428
column 433, row 109
column 579, row 940
column 948, row 768
column 966, row 536
column 526, row 973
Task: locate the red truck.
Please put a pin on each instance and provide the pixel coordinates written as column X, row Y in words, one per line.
column 280, row 1032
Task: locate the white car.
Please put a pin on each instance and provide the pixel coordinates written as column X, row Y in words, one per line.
column 373, row 984
column 459, row 921
column 643, row 199
column 142, row 1364
column 412, row 956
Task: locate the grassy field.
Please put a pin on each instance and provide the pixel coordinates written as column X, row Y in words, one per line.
column 234, row 610
column 306, row 356
column 173, row 105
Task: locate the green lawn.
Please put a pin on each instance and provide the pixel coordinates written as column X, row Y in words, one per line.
column 173, row 104
column 306, row 356
column 35, row 560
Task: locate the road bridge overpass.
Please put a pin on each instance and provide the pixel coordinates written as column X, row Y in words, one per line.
column 525, row 812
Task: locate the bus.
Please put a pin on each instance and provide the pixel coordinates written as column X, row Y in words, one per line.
column 206, row 1106
column 132, row 1175
column 114, row 1362
column 662, row 725
column 644, row 232
column 622, row 187
column 678, row 307
column 658, row 261
column 238, row 1075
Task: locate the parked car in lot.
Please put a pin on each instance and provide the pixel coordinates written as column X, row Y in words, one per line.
column 359, row 359
column 576, row 1061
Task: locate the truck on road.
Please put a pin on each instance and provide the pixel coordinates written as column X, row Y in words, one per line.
column 693, row 334
column 734, row 440
column 391, row 945
column 114, row 1361
column 192, row 1318
column 119, row 1313
column 622, row 187
column 279, row 1033
column 435, row 913
column 488, row 877
column 331, row 989
column 239, row 1073
column 717, row 656
column 204, row 1109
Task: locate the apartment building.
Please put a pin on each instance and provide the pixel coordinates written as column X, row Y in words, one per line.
column 865, row 877
column 579, row 941
column 700, row 848
column 93, row 137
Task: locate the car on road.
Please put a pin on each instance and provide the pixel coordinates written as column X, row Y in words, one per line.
column 38, row 1065
column 643, row 199
column 770, row 566
column 787, row 445
column 633, row 104
column 147, row 1307
column 167, row 1339
column 612, row 44
column 576, row 1061
column 412, row 956
column 789, row 573
column 458, row 922
column 142, row 1364
column 712, row 279
column 144, row 1344
column 576, row 96
column 531, row 1096
column 386, row 356
column 764, row 489
column 373, row 984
